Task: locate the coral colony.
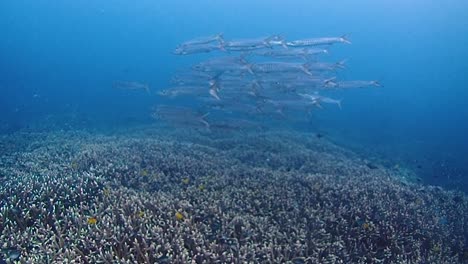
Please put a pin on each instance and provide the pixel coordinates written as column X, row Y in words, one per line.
column 149, row 197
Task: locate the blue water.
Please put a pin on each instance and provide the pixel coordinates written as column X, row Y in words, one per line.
column 58, row 60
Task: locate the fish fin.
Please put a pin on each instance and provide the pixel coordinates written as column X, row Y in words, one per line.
column 305, row 54
column 220, row 38
column 214, row 93
column 341, row 64
column 163, row 92
column 243, row 55
column 282, row 41
column 204, row 122
column 283, row 44
column 205, row 115
column 269, row 38
column 147, row 88
column 255, row 85
column 212, row 82
column 249, row 68
column 222, row 48
column 329, row 83
column 317, row 103
column 345, row 39
column 376, row 83
column 305, row 69
column 259, row 109
column 281, row 112
column 338, row 102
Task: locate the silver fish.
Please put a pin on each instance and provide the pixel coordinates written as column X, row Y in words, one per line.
column 267, row 67
column 236, row 124
column 251, row 44
column 304, row 54
column 318, row 41
column 355, row 84
column 180, row 115
column 183, row 91
column 317, row 99
column 281, row 107
column 204, row 40
column 131, row 85
column 219, row 66
column 203, row 48
column 192, row 77
column 324, row 66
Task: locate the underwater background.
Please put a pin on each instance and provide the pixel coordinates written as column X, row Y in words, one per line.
column 58, row 61
column 89, row 175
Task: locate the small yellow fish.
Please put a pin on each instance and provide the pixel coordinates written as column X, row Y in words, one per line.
column 92, row 220
column 141, row 214
column 179, row 216
column 201, row 187
column 366, row 226
column 186, row 180
column 106, row 192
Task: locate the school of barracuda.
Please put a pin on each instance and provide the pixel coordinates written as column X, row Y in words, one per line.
column 251, row 83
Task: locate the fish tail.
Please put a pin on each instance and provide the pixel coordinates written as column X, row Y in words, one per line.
column 256, row 84
column 281, row 112
column 282, row 41
column 214, row 93
column 330, row 83
column 283, row 44
column 220, row 38
column 317, row 103
column 204, row 122
column 147, row 88
column 222, row 47
column 345, row 39
column 243, row 55
column 376, row 83
column 305, row 69
column 249, row 68
column 341, row 64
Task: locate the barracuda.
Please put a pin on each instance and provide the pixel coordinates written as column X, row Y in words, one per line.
column 318, row 41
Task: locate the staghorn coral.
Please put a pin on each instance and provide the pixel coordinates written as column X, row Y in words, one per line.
column 270, row 198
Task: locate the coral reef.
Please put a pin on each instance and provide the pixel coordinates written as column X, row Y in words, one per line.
column 165, row 196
